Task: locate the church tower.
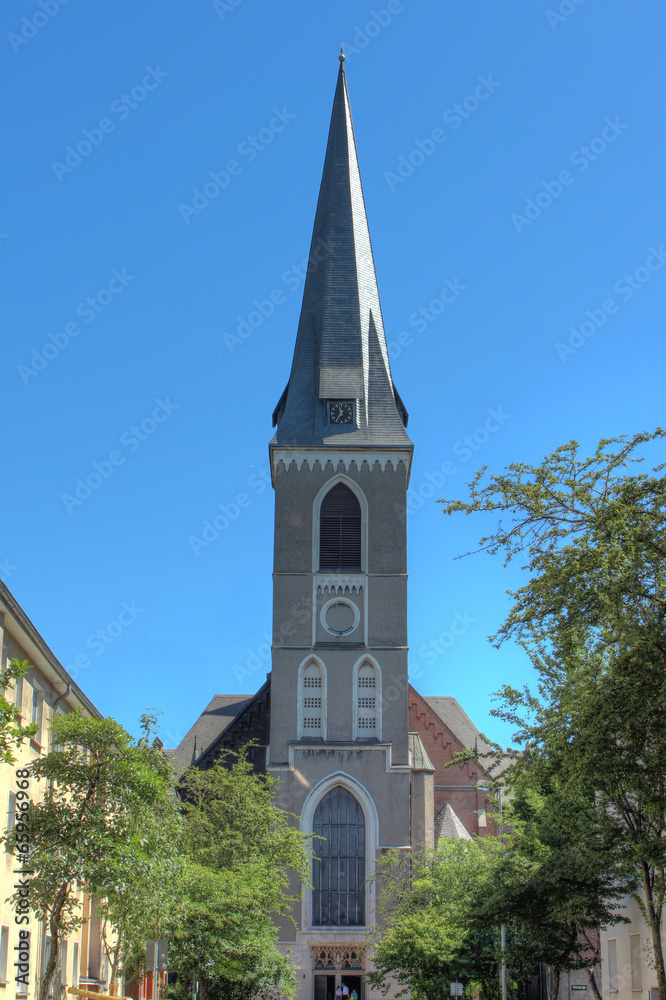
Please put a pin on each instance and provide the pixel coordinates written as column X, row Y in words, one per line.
column 340, row 462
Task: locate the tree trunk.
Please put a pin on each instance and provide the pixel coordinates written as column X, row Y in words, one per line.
column 555, row 986
column 654, row 913
column 593, row 984
column 54, row 921
column 113, row 981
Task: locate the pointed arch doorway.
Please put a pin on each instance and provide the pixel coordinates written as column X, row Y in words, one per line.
column 337, row 965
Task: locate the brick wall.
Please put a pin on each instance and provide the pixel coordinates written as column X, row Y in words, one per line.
column 455, row 785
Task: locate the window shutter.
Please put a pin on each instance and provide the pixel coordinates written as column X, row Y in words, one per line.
column 340, row 530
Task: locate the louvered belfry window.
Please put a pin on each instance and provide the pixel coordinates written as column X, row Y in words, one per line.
column 340, row 530
column 338, row 872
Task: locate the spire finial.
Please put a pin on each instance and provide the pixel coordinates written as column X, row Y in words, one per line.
column 342, row 56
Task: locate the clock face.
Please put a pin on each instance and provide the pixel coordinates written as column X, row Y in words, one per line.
column 341, row 413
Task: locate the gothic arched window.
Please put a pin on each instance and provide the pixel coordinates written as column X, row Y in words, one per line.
column 338, row 867
column 312, row 696
column 367, row 701
column 340, row 530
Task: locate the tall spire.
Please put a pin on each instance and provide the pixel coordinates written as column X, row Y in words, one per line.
column 341, row 351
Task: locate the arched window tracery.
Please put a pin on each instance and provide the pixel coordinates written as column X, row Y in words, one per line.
column 338, row 867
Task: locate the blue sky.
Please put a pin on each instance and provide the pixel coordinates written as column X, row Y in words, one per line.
column 512, row 152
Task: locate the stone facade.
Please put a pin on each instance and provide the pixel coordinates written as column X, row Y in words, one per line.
column 337, row 722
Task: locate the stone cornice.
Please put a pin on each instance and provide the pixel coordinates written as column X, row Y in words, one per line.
column 310, row 457
column 334, row 584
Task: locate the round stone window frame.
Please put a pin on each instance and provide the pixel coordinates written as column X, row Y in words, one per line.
column 350, row 604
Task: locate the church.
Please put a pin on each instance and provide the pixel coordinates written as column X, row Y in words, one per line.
column 360, row 754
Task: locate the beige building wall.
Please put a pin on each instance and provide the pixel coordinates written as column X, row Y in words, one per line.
column 46, row 688
column 628, row 971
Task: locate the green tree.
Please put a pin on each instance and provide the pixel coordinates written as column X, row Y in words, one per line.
column 142, row 906
column 433, row 930
column 244, row 863
column 12, row 733
column 591, row 616
column 556, row 882
column 82, row 834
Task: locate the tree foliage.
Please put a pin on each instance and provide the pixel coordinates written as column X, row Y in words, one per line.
column 556, row 882
column 83, row 833
column 242, row 859
column 592, row 618
column 142, row 908
column 433, row 931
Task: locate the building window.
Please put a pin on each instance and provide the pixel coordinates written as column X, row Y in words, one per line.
column 340, row 530
column 367, row 702
column 612, row 964
column 635, row 953
column 338, row 867
column 37, row 712
column 18, row 694
column 4, row 952
column 63, row 961
column 11, row 811
column 11, row 819
column 46, row 958
column 312, row 701
column 75, row 964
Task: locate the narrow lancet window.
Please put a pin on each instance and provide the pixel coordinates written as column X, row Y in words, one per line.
column 367, row 701
column 312, row 701
column 340, row 530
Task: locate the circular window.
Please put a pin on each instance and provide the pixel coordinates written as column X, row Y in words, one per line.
column 340, row 617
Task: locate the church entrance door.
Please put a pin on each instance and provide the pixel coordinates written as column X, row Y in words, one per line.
column 353, row 982
column 324, row 988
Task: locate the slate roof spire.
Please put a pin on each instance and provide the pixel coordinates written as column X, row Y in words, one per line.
column 341, row 351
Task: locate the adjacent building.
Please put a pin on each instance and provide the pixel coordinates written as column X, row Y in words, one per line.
column 46, row 689
column 629, row 971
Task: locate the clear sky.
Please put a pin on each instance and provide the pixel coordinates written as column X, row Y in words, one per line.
column 512, row 157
